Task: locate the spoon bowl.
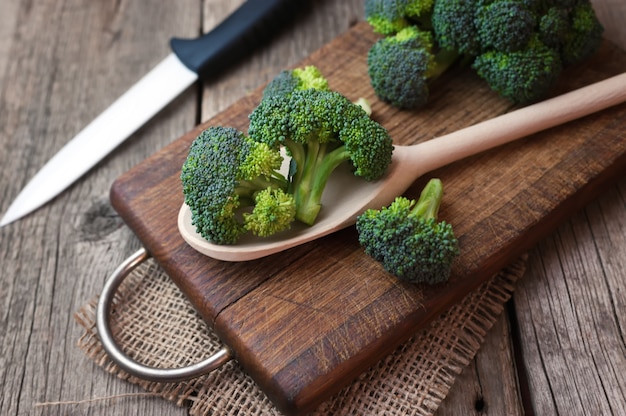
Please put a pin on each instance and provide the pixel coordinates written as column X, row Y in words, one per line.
column 347, row 196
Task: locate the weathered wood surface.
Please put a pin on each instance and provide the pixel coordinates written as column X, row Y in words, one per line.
column 61, row 63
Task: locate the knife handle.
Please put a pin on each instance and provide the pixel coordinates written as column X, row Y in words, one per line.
column 235, row 37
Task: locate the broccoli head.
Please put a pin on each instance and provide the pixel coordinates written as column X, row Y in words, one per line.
column 225, row 175
column 321, row 130
column 492, row 34
column 585, row 35
column 291, row 80
column 388, row 17
column 505, row 25
column 402, row 66
column 407, row 238
column 453, row 25
column 419, row 10
column 274, row 211
column 554, row 26
column 522, row 76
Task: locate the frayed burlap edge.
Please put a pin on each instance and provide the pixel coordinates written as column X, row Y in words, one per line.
column 158, row 327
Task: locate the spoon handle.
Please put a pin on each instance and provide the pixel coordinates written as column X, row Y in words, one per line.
column 523, row 122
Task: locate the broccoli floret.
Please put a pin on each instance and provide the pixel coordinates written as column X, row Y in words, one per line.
column 572, row 29
column 227, row 173
column 321, row 130
column 504, row 25
column 402, row 66
column 585, row 35
column 522, row 76
column 274, row 211
column 419, row 10
column 407, row 238
column 388, row 17
column 453, row 25
column 554, row 26
column 491, row 34
column 290, row 80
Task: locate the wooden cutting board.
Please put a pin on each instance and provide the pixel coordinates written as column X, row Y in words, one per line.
column 305, row 322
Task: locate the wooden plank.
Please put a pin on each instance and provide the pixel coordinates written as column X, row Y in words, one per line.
column 489, row 384
column 571, row 312
column 355, row 326
column 62, row 63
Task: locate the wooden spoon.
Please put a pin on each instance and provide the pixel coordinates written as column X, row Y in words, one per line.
column 347, row 196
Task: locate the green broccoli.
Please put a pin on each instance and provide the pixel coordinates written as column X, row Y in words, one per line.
column 290, row 80
column 321, row 130
column 419, row 10
column 492, row 35
column 453, row 26
column 522, row 76
column 401, row 67
column 505, row 25
column 225, row 176
column 585, row 35
column 554, row 26
column 388, row 17
column 274, row 211
column 407, row 239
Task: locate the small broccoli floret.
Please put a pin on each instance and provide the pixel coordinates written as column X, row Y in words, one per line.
column 585, row 35
column 226, row 173
column 453, row 25
column 407, row 238
column 505, row 25
column 290, row 80
column 554, row 27
column 522, row 76
column 402, row 66
column 321, row 130
column 386, row 16
column 419, row 11
column 274, row 211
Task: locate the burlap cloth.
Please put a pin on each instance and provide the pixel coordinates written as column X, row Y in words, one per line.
column 154, row 323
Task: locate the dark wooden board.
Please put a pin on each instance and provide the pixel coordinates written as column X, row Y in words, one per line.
column 305, row 322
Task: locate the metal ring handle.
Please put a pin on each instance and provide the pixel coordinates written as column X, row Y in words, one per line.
column 134, row 368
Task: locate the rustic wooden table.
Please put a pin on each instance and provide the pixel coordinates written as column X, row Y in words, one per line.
column 559, row 349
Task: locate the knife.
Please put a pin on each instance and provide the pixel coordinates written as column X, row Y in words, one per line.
column 203, row 57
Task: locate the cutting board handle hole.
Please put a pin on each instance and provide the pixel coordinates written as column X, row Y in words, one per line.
column 163, row 375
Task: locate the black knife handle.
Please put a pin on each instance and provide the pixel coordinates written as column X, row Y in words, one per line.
column 235, row 37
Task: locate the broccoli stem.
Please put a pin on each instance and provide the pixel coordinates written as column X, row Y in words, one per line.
column 427, row 206
column 319, row 165
column 443, row 60
column 247, row 189
column 306, row 208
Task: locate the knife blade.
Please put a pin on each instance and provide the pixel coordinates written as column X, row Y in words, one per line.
column 203, row 57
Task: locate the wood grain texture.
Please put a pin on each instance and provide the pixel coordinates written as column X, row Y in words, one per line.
column 62, row 64
column 306, row 322
column 484, row 387
column 571, row 313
